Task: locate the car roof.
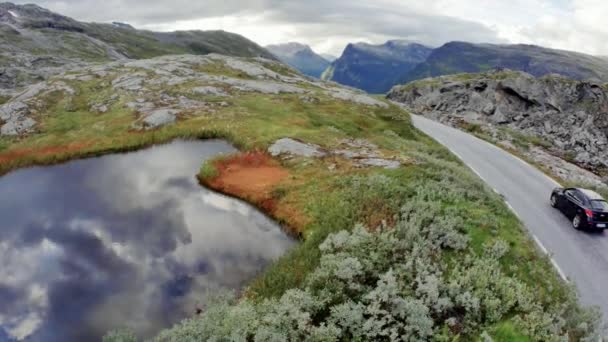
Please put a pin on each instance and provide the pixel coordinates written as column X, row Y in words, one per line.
column 592, row 195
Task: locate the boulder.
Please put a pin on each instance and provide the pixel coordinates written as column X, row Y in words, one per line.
column 295, row 148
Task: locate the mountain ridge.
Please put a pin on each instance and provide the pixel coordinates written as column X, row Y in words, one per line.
column 458, row 57
column 375, row 68
column 301, row 57
column 36, row 43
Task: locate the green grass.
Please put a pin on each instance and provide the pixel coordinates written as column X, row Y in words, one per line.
column 524, row 141
column 208, row 170
column 506, row 332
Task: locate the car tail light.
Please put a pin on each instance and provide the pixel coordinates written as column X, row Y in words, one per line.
column 589, row 213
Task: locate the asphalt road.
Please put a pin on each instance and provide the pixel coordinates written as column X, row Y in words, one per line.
column 581, row 257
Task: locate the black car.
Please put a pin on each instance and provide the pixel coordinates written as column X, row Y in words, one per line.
column 586, row 208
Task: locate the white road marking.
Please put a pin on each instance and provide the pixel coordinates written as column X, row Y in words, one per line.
column 540, row 244
column 511, row 208
column 476, row 172
column 559, row 270
column 553, row 262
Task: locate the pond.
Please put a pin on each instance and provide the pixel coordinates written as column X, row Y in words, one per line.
column 122, row 240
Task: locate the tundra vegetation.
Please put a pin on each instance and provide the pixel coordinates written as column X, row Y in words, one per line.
column 424, row 251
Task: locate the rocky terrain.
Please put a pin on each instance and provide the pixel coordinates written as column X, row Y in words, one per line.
column 36, row 43
column 143, row 87
column 375, row 68
column 300, row 57
column 554, row 121
column 461, row 57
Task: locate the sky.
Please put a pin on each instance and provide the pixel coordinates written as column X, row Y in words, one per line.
column 329, row 25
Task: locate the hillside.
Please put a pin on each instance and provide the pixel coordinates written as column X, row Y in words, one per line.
column 36, row 43
column 462, row 57
column 386, row 217
column 301, row 57
column 542, row 118
column 375, row 68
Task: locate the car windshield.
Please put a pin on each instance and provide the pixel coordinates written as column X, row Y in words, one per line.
column 599, row 204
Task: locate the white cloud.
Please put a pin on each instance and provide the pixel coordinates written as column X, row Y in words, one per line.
column 328, row 25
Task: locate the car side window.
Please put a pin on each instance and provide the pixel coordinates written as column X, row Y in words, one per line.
column 573, row 194
column 579, row 196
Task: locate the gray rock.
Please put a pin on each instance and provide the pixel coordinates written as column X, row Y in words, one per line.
column 209, row 90
column 356, row 97
column 98, row 108
column 264, row 87
column 310, row 99
column 158, row 118
column 14, row 116
column 130, row 81
column 378, row 162
column 18, row 126
column 295, row 148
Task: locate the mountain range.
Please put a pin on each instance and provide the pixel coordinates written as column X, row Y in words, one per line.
column 376, row 68
column 36, row 43
column 301, row 57
column 462, row 57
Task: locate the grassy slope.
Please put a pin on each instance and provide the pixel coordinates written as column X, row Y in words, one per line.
column 326, row 199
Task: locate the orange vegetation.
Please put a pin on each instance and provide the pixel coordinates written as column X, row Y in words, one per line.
column 253, row 176
column 15, row 154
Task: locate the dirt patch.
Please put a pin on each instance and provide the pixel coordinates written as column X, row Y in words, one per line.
column 254, row 177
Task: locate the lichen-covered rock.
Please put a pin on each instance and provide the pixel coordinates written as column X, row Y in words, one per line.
column 209, row 90
column 295, row 148
column 130, row 81
column 264, row 87
column 361, row 152
column 157, row 118
column 14, row 119
column 357, row 97
column 379, row 162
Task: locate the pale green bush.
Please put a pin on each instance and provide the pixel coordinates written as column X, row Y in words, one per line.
column 394, row 285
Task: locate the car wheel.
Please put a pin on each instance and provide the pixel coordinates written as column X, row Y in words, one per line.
column 577, row 222
column 553, row 201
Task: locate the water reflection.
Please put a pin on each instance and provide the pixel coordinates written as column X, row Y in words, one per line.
column 124, row 239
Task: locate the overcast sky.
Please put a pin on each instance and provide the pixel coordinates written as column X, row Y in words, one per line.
column 328, row 25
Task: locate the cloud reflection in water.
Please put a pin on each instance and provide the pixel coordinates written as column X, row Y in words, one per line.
column 132, row 239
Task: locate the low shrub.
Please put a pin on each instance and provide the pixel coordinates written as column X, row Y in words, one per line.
column 394, row 285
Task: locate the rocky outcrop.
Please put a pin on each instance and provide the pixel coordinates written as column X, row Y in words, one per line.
column 163, row 90
column 569, row 117
column 360, row 152
column 36, row 44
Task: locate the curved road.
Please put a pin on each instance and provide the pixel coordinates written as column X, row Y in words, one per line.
column 581, row 257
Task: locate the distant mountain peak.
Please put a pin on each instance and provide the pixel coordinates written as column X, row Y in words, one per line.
column 376, row 68
column 122, row 25
column 290, row 48
column 465, row 57
column 300, row 56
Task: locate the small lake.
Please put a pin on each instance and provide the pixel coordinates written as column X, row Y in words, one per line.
column 122, row 240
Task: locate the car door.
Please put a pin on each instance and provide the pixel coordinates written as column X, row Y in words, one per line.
column 571, row 202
